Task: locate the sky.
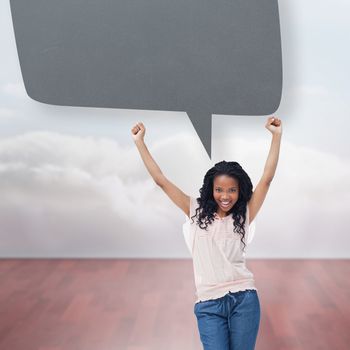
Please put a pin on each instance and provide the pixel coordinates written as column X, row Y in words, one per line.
column 72, row 183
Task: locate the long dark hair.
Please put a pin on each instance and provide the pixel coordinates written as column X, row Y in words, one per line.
column 207, row 205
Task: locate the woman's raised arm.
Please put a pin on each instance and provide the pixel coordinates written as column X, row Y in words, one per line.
column 181, row 199
column 274, row 125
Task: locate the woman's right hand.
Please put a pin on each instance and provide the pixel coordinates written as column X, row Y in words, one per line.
column 138, row 132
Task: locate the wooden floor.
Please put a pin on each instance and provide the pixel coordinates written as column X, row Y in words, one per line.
column 147, row 304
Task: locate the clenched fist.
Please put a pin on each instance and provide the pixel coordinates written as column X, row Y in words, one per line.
column 274, row 125
column 138, row 131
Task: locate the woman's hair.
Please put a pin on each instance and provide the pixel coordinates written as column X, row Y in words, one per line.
column 207, row 204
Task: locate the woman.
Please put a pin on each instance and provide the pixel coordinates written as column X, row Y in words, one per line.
column 227, row 306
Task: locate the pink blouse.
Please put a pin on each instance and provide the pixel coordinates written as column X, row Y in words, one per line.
column 218, row 259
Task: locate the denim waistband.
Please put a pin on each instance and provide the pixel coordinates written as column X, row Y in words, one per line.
column 234, row 294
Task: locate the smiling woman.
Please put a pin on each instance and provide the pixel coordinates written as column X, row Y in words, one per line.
column 226, row 207
column 225, row 192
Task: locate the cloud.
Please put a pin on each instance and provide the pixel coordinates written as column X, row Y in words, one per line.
column 61, row 167
column 73, row 196
column 76, row 190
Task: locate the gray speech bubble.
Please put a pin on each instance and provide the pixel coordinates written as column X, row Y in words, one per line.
column 198, row 56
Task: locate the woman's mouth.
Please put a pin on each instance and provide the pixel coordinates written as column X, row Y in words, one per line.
column 225, row 204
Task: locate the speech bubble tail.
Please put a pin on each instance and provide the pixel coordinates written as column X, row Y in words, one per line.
column 202, row 124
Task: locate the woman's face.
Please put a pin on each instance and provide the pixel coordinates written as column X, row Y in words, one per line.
column 225, row 193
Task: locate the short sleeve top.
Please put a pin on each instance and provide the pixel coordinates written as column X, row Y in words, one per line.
column 218, row 258
column 189, row 233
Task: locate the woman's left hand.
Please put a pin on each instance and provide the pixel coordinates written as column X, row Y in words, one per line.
column 274, row 125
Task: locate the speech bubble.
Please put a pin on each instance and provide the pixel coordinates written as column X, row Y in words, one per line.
column 198, row 56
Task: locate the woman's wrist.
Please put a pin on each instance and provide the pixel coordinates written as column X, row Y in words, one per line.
column 139, row 142
column 277, row 134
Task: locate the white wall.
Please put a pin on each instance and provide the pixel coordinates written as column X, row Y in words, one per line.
column 73, row 185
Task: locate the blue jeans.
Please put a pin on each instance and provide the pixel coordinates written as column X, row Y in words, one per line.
column 230, row 322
